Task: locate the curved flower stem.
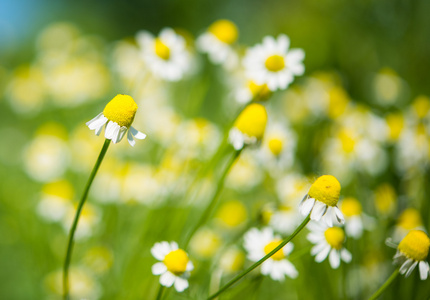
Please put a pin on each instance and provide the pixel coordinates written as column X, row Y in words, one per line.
column 213, row 201
column 76, row 219
column 385, row 285
column 235, row 279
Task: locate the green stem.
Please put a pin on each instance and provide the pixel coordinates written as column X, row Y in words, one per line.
column 279, row 247
column 76, row 219
column 385, row 285
column 213, row 201
column 160, row 292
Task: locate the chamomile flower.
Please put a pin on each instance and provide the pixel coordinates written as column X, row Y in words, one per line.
column 328, row 242
column 56, row 200
column 321, row 201
column 118, row 115
column 217, row 42
column 166, row 55
column 260, row 243
column 273, row 64
column 249, row 126
column 174, row 265
column 412, row 251
column 250, row 91
column 355, row 220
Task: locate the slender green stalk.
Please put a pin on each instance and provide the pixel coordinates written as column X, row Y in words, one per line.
column 279, row 247
column 213, row 201
column 160, row 293
column 76, row 219
column 385, row 285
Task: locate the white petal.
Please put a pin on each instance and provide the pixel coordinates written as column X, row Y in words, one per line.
column 424, row 270
column 99, row 130
column 160, row 250
column 174, row 246
column 181, row 284
column 115, row 134
column 405, row 266
column 289, row 269
column 318, row 248
column 411, row 268
column 277, row 272
column 288, row 248
column 307, row 206
column 110, row 129
column 323, row 254
column 266, row 267
column 158, row 268
column 137, row 134
column 130, row 139
column 315, row 238
column 318, row 210
column 99, row 120
column 167, row 279
column 328, row 217
column 334, row 259
column 345, row 255
column 339, row 215
column 354, row 227
column 121, row 133
column 190, row 266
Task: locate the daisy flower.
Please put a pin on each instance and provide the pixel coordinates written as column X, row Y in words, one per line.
column 328, row 242
column 166, row 55
column 412, row 251
column 249, row 126
column 119, row 115
column 217, row 42
column 260, row 243
column 273, row 64
column 355, row 220
column 321, row 201
column 250, row 91
column 174, row 265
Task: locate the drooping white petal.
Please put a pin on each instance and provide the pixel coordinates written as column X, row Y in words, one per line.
column 98, row 121
column 405, row 266
column 345, row 255
column 424, row 269
column 122, row 131
column 130, row 139
column 339, row 215
column 306, row 206
column 190, row 266
column 115, row 134
column 289, row 269
column 328, row 217
column 323, row 254
column 158, row 268
column 137, row 134
column 411, row 268
column 167, row 279
column 334, row 259
column 110, row 129
column 99, row 130
column 181, row 284
column 318, row 210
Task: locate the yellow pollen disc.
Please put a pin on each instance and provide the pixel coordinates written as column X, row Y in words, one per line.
column 259, row 92
column 347, row 141
column 224, row 30
column 252, row 120
column 410, row 219
column 232, row 213
column 325, row 189
column 275, row 146
column 395, row 124
column 271, row 246
column 275, row 63
column 176, row 261
column 161, row 49
column 350, row 207
column 335, row 236
column 61, row 188
column 121, row 109
column 421, row 105
column 415, row 245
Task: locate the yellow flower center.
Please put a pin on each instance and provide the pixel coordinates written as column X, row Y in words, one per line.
column 271, row 246
column 225, row 31
column 395, row 124
column 347, row 141
column 415, row 245
column 252, row 120
column 275, row 146
column 259, row 92
column 232, row 213
column 338, row 102
column 325, row 189
column 421, row 105
column 275, row 63
column 410, row 219
column 335, row 236
column 61, row 188
column 351, row 207
column 161, row 49
column 121, row 110
column 176, row 261
column 385, row 198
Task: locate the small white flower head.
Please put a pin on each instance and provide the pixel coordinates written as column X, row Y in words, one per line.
column 260, row 243
column 321, row 201
column 166, row 56
column 250, row 91
column 249, row 126
column 217, row 42
column 56, row 200
column 118, row 115
column 174, row 266
column 412, row 251
column 273, row 64
column 355, row 219
column 328, row 242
